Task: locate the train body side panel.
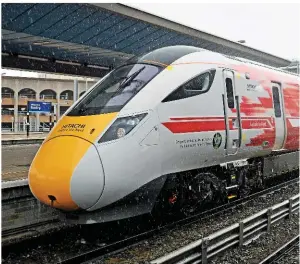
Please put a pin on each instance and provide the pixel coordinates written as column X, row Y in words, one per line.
column 260, row 105
column 188, row 125
column 256, row 114
column 130, row 162
column 291, row 95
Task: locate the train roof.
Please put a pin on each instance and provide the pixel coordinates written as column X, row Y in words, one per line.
column 167, row 55
column 246, row 61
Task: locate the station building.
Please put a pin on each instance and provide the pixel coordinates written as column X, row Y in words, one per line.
column 17, row 90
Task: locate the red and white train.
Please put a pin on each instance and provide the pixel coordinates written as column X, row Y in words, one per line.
column 167, row 131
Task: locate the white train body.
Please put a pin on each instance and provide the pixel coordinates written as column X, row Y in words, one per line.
column 198, row 109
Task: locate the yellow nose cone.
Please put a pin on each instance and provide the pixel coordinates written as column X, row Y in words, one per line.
column 52, row 168
column 51, row 171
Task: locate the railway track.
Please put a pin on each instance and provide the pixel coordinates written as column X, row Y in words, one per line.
column 277, row 256
column 123, row 244
column 26, row 229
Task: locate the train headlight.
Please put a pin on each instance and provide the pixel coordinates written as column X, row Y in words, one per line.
column 121, row 132
column 121, row 127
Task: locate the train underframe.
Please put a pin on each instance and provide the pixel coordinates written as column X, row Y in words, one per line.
column 189, row 191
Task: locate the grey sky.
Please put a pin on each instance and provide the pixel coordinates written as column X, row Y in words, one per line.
column 274, row 28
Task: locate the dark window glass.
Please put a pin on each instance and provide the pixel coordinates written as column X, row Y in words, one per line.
column 229, row 90
column 115, row 90
column 276, row 102
column 195, row 86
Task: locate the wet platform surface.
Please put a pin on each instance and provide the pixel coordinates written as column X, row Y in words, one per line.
column 22, row 136
column 16, row 160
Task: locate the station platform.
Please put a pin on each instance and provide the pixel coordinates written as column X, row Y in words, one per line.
column 17, row 157
column 21, row 138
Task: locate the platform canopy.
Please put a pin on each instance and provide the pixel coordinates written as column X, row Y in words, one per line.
column 91, row 39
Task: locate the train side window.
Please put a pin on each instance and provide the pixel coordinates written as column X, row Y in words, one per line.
column 198, row 85
column 276, row 101
column 229, row 91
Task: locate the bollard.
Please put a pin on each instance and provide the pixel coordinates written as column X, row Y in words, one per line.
column 241, row 235
column 205, row 243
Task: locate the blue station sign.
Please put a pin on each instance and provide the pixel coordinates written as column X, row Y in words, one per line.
column 39, row 107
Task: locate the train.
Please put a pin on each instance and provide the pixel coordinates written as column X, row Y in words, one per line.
column 166, row 132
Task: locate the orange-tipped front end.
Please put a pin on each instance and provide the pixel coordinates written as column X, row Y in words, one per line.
column 51, row 172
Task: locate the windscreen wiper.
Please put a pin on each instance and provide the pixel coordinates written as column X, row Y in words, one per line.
column 130, row 78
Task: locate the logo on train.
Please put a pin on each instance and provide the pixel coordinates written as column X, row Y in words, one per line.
column 217, row 140
column 72, row 128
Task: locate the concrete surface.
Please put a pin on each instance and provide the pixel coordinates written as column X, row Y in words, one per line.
column 16, row 161
column 8, row 136
column 21, row 138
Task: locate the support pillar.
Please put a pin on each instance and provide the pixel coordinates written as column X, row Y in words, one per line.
column 75, row 93
column 58, row 109
column 37, row 115
column 16, row 115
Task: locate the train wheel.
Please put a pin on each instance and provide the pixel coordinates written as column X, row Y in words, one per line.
column 202, row 190
column 167, row 202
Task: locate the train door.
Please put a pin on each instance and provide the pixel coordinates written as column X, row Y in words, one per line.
column 231, row 113
column 279, row 116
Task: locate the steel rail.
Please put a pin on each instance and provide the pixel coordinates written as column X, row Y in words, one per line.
column 123, row 244
column 279, row 253
column 239, row 234
column 27, row 228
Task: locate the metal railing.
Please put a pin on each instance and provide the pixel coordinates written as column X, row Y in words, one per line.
column 7, row 112
column 24, row 113
column 47, row 96
column 238, row 234
column 7, row 95
column 64, row 97
column 44, row 127
column 27, row 96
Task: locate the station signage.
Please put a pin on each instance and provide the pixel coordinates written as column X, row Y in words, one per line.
column 39, row 107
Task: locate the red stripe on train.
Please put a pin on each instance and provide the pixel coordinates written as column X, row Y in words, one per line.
column 217, row 117
column 185, row 126
column 190, row 127
column 197, row 118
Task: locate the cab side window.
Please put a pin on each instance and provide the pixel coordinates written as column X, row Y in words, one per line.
column 198, row 85
column 229, row 90
column 276, row 101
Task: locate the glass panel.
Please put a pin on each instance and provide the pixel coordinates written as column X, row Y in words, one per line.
column 115, row 90
column 196, row 86
column 229, row 90
column 276, row 101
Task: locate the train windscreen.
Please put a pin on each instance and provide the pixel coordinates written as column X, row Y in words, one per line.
column 116, row 90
